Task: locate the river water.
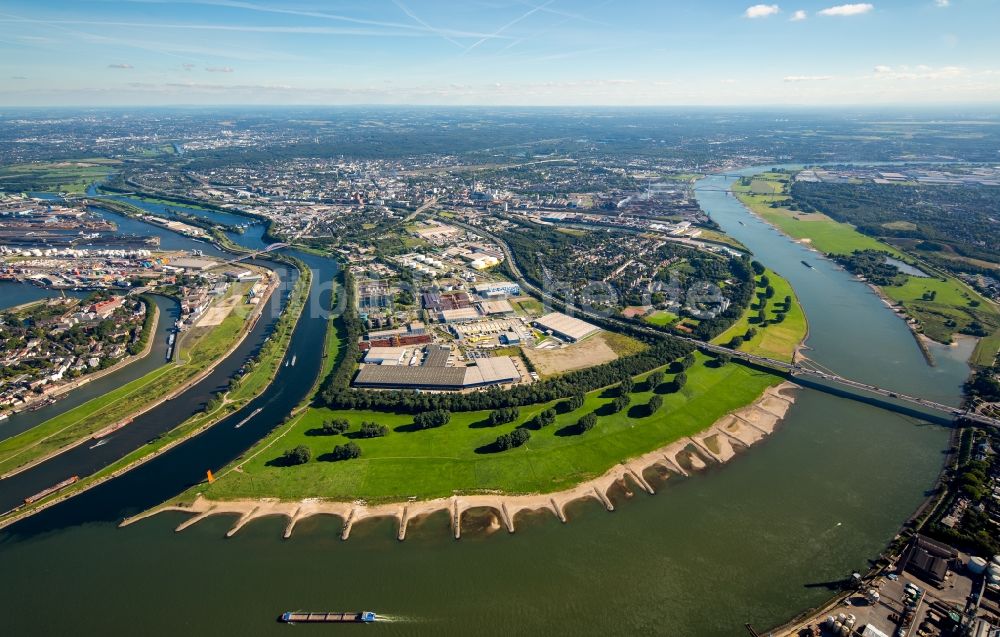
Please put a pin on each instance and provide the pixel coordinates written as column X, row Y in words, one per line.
column 14, row 293
column 757, row 540
column 169, row 312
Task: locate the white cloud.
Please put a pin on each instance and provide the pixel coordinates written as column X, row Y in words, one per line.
column 919, row 72
column 799, row 16
column 219, row 69
column 942, row 3
column 848, row 9
column 808, row 78
column 761, row 10
column 120, row 66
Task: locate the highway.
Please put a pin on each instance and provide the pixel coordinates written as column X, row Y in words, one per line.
column 792, row 369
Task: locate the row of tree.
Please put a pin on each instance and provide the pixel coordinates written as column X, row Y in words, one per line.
column 338, row 394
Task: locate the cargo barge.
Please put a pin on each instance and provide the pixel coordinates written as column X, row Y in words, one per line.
column 56, row 487
column 363, row 617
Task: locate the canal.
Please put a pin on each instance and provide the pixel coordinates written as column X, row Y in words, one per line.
column 757, row 540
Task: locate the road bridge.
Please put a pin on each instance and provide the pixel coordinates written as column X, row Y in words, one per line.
column 791, row 369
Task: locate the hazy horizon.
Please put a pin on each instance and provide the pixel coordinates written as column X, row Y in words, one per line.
column 807, row 53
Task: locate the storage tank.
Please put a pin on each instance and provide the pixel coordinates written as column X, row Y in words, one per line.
column 993, row 576
column 977, row 565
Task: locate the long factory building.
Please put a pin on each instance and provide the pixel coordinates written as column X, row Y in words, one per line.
column 382, row 370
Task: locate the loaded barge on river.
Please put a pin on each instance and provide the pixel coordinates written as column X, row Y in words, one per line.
column 363, row 617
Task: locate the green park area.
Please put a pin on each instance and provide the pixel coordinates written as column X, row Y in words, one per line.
column 456, row 457
column 941, row 304
column 201, row 347
column 71, row 177
column 766, row 195
column 660, row 318
column 779, row 331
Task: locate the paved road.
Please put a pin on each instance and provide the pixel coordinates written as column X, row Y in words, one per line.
column 793, row 369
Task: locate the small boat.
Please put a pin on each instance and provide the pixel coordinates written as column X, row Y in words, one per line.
column 293, row 360
column 107, row 431
column 741, row 223
column 100, row 443
column 314, row 618
column 247, row 419
column 808, row 265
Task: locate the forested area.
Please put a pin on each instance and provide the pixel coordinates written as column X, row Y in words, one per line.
column 870, row 264
column 566, row 265
column 962, row 217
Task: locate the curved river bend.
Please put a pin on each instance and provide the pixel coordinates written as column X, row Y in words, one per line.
column 757, row 540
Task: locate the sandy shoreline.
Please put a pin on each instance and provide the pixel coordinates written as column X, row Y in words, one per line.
column 715, row 445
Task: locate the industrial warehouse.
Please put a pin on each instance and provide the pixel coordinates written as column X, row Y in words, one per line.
column 565, row 327
column 414, row 368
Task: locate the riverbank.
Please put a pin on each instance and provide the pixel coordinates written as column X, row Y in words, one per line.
column 938, row 307
column 716, row 445
column 249, row 387
column 68, row 431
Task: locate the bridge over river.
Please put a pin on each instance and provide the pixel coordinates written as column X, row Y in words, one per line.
column 794, row 370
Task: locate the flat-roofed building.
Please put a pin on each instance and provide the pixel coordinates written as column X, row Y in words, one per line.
column 459, row 314
column 565, row 327
column 437, row 356
column 497, row 289
column 501, row 306
column 491, row 371
column 485, row 372
column 385, row 355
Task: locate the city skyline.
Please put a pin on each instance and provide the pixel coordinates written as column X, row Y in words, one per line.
column 810, row 53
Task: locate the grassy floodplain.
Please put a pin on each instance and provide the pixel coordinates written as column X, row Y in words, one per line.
column 777, row 340
column 443, row 461
column 816, row 229
column 71, row 177
column 954, row 305
column 199, row 348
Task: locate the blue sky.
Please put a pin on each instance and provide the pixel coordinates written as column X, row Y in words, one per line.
column 498, row 52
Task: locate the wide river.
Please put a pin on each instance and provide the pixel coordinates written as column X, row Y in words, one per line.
column 757, row 540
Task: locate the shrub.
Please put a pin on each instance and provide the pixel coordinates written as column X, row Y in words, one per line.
column 587, row 422
column 515, row 438
column 620, row 403
column 346, row 452
column 655, row 379
column 334, row 427
column 431, row 419
column 299, row 455
column 372, row 430
column 504, row 415
column 545, row 418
